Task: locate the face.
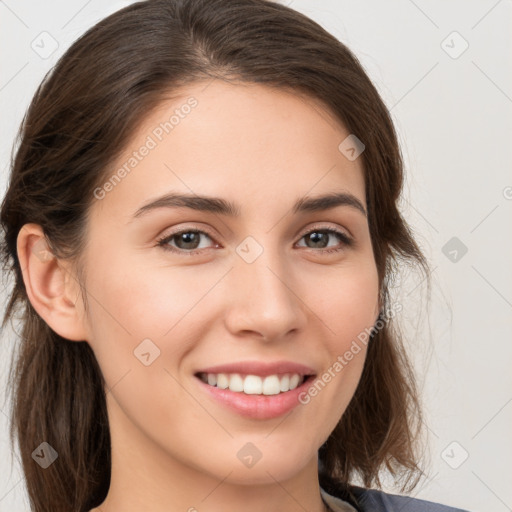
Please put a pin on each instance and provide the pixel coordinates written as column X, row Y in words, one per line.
column 178, row 288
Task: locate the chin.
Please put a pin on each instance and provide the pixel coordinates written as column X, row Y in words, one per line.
column 267, row 475
column 279, row 464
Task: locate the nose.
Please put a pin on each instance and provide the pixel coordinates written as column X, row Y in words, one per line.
column 264, row 299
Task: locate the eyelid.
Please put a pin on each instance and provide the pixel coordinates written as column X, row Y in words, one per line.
column 185, row 229
column 321, row 227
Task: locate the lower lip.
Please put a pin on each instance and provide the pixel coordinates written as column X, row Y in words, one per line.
column 261, row 407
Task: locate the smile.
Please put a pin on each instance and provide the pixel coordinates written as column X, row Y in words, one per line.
column 260, row 401
column 254, row 384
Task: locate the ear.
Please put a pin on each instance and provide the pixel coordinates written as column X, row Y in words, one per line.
column 52, row 288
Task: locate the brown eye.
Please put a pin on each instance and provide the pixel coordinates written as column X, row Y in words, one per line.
column 186, row 241
column 319, row 238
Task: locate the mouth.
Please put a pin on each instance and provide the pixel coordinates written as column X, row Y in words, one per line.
column 256, row 397
column 256, row 389
column 249, row 384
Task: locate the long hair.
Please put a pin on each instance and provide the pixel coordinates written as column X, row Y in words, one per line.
column 81, row 118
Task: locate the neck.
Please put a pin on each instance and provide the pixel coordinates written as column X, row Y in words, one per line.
column 146, row 477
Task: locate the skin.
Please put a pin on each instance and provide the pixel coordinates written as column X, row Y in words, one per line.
column 173, row 447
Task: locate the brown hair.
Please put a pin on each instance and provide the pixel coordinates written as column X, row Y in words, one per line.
column 81, row 118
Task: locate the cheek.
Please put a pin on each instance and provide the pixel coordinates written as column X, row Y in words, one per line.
column 347, row 302
column 348, row 308
column 130, row 303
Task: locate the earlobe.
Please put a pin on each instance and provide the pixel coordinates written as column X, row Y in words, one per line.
column 51, row 287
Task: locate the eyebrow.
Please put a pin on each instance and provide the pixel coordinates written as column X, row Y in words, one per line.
column 231, row 209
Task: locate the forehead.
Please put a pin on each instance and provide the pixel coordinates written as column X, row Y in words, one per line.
column 250, row 143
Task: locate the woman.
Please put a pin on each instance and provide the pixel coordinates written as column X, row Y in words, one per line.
column 201, row 222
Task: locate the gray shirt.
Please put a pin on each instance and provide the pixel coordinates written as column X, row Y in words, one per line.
column 373, row 500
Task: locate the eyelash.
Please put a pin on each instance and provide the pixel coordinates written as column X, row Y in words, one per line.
column 162, row 242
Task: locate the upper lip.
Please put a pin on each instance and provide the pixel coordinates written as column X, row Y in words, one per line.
column 260, row 368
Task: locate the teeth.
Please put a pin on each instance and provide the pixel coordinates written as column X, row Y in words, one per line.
column 285, row 383
column 271, row 385
column 294, row 380
column 253, row 384
column 222, row 381
column 236, row 383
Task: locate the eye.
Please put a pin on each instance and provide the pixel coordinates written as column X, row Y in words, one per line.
column 187, row 241
column 320, row 237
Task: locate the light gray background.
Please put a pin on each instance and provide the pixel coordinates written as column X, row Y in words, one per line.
column 453, row 112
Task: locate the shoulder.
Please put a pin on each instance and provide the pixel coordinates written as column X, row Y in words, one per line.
column 379, row 501
column 374, row 500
